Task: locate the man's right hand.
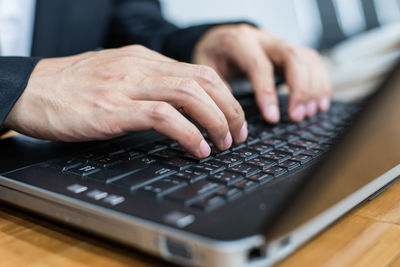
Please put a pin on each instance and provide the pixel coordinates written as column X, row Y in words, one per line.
column 105, row 94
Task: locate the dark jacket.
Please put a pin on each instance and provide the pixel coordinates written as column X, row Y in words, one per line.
column 68, row 27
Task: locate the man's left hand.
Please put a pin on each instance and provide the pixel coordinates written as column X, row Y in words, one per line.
column 258, row 53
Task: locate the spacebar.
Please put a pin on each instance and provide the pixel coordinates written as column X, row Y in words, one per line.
column 144, row 176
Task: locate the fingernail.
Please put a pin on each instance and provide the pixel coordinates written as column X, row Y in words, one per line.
column 311, row 108
column 227, row 141
column 298, row 113
column 243, row 133
column 325, row 103
column 204, row 149
column 272, row 113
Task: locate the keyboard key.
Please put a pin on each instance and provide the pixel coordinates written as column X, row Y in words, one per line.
column 193, row 158
column 293, row 150
column 178, row 164
column 210, row 203
column 306, row 144
column 114, row 199
column 216, row 152
column 190, row 175
column 261, row 177
column 312, row 152
column 169, row 142
column 230, row 193
column 107, row 161
column 167, row 154
column 275, row 142
column 252, row 140
column 261, row 148
column 131, row 155
column 85, row 157
column 302, row 159
column 226, row 177
column 178, row 148
column 279, row 129
column 276, row 156
column 229, row 159
column 152, row 148
column 144, row 176
column 162, row 187
column 65, row 165
column 289, row 137
column 96, row 194
column 211, row 166
column 245, row 169
column 262, row 162
column 117, row 171
column 289, row 164
column 196, row 191
column 315, row 138
column 244, row 153
column 77, row 188
column 237, row 147
column 246, row 185
column 322, row 147
column 275, row 171
column 84, row 170
column 265, row 134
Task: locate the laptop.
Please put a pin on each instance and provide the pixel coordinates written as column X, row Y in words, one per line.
column 252, row 205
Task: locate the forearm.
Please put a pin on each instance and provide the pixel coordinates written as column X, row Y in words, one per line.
column 14, row 76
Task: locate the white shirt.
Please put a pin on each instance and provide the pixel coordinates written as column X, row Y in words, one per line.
column 16, row 27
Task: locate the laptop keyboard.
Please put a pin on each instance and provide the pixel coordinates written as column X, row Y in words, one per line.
column 165, row 171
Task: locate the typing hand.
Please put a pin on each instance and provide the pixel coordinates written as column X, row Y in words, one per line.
column 104, row 94
column 257, row 53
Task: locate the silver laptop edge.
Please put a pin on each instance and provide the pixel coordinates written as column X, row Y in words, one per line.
column 151, row 237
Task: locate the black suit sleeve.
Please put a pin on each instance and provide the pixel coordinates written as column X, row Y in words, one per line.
column 141, row 22
column 14, row 76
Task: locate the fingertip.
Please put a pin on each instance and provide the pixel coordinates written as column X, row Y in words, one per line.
column 271, row 113
column 227, row 141
column 311, row 108
column 243, row 133
column 297, row 113
column 325, row 103
column 204, row 149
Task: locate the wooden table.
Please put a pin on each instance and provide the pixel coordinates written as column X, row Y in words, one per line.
column 368, row 236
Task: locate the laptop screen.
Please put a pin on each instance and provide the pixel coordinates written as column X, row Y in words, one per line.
column 368, row 150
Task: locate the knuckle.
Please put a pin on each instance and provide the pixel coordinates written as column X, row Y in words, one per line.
column 207, row 74
column 244, row 28
column 291, row 53
column 237, row 114
column 186, row 84
column 188, row 88
column 136, row 47
column 219, row 125
column 160, row 111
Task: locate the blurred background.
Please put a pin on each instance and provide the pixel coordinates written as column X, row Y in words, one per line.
column 351, row 33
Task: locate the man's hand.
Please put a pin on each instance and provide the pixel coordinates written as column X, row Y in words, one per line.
column 100, row 95
column 257, row 53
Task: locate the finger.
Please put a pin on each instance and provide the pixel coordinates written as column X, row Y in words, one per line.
column 324, row 86
column 188, row 95
column 252, row 60
column 296, row 72
column 215, row 87
column 166, row 120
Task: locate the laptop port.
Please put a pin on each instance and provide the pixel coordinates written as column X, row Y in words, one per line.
column 284, row 242
column 256, row 253
column 179, row 249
